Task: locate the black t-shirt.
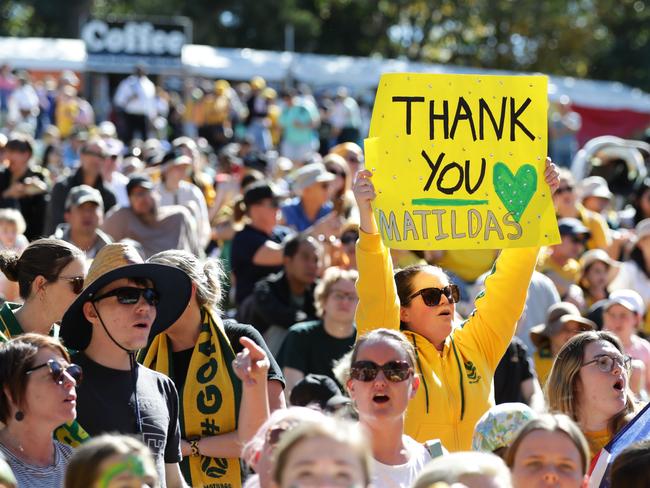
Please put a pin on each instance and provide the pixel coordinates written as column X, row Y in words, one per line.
column 244, row 246
column 514, row 368
column 105, row 404
column 308, row 348
column 234, row 331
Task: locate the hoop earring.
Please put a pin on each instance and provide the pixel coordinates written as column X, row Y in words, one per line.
column 19, row 416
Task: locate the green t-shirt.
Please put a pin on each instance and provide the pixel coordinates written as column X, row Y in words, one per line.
column 309, row 349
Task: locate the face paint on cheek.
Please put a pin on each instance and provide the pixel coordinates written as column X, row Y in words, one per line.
column 132, row 466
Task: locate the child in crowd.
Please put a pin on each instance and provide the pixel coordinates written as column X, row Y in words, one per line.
column 549, row 451
column 12, row 227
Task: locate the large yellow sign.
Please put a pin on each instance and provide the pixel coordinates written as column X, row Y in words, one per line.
column 458, row 161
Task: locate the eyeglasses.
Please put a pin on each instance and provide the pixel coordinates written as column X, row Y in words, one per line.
column 564, row 189
column 431, row 296
column 57, row 371
column 394, row 371
column 339, row 295
column 77, row 283
column 130, row 295
column 606, row 362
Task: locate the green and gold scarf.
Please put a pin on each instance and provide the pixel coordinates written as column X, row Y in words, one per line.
column 209, row 399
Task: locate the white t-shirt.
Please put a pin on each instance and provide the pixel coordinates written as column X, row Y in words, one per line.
column 401, row 475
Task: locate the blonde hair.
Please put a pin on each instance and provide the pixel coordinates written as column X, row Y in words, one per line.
column 548, row 422
column 561, row 387
column 343, row 432
column 13, row 216
column 207, row 275
column 83, row 469
column 453, row 467
column 331, row 276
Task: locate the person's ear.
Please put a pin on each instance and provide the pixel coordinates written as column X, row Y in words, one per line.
column 415, row 384
column 404, row 314
column 349, row 386
column 38, row 285
column 89, row 311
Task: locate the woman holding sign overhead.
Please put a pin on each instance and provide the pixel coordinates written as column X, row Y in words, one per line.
column 456, row 364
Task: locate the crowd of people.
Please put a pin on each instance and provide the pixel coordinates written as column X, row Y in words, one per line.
column 206, row 301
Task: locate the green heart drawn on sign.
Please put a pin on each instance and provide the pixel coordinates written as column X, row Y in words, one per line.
column 515, row 191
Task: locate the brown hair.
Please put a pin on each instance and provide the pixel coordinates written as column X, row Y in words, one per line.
column 331, row 276
column 404, row 282
column 43, row 257
column 83, row 468
column 551, row 423
column 630, row 468
column 337, row 430
column 561, row 387
column 16, row 357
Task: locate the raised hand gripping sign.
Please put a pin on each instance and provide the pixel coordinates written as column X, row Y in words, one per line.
column 458, row 161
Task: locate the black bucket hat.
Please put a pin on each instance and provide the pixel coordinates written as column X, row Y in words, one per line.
column 116, row 261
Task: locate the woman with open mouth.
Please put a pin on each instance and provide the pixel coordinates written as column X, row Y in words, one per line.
column 456, row 364
column 381, row 380
column 589, row 382
column 37, row 394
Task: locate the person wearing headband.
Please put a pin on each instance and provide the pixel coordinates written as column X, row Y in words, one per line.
column 124, row 304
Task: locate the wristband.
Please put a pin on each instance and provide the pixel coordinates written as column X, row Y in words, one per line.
column 194, row 446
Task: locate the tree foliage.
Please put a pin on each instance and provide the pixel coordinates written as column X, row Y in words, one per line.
column 607, row 39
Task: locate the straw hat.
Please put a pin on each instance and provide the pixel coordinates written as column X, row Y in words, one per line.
column 558, row 315
column 116, row 261
column 598, row 255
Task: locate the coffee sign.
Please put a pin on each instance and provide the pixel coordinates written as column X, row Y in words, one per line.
column 119, row 45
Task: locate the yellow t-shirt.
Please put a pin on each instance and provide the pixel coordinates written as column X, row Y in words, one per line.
column 543, row 363
column 597, row 440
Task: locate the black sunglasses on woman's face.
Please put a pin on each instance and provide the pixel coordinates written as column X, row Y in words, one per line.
column 431, row 296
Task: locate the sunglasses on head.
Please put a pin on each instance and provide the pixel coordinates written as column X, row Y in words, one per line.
column 394, row 371
column 431, row 296
column 77, row 283
column 130, row 295
column 57, row 371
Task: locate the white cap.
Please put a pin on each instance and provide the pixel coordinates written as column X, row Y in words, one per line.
column 630, row 299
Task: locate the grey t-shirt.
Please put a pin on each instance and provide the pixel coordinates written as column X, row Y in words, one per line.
column 30, row 476
column 175, row 228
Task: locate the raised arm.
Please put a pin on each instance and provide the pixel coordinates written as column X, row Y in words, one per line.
column 378, row 302
column 494, row 321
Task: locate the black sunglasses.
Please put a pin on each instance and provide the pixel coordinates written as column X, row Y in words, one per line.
column 431, row 296
column 57, row 371
column 394, row 371
column 130, row 295
column 77, row 283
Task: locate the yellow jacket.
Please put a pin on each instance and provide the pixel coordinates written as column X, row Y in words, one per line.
column 456, row 384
